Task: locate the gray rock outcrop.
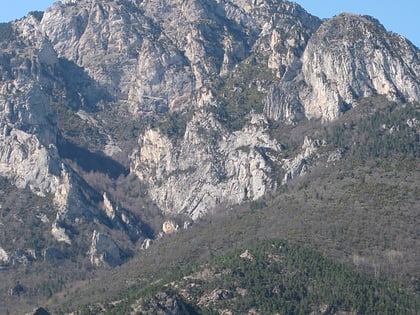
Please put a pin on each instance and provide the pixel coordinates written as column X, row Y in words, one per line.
column 162, row 303
column 207, row 166
column 35, row 82
column 104, row 251
column 347, row 58
column 300, row 164
column 4, row 256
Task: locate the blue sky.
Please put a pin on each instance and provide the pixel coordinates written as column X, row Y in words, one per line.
column 399, row 16
column 402, row 16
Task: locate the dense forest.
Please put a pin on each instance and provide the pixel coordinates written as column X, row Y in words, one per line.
column 270, row 277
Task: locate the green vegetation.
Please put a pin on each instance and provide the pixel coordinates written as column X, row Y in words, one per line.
column 274, row 278
column 81, row 132
column 386, row 132
column 240, row 93
column 172, row 124
column 7, row 32
column 360, row 212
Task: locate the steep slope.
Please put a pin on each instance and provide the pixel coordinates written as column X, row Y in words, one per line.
column 128, row 57
column 174, row 66
column 360, row 210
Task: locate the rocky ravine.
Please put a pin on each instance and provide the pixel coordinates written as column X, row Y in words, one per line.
column 98, row 59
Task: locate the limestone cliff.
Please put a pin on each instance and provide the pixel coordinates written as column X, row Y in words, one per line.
column 347, row 58
column 207, row 166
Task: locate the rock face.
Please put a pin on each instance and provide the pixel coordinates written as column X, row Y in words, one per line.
column 4, row 256
column 284, row 36
column 156, row 53
column 104, row 251
column 34, row 81
column 352, row 56
column 28, row 154
column 60, row 234
column 84, row 68
column 169, row 227
column 298, row 165
column 347, row 58
column 208, row 166
column 122, row 219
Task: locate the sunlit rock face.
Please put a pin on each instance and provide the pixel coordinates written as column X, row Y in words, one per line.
column 208, row 166
column 347, row 58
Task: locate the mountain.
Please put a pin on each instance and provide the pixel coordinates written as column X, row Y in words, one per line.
column 122, row 121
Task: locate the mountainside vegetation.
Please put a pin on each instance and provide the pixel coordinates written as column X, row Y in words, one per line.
column 269, row 277
column 361, row 211
column 241, row 92
column 357, row 218
column 7, row 32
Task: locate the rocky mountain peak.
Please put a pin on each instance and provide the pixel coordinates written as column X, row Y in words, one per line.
column 351, row 26
column 181, row 45
column 347, row 58
column 122, row 121
column 353, row 56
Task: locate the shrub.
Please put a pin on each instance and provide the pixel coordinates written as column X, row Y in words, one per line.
column 7, row 32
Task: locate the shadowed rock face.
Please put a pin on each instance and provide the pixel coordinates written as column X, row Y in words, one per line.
column 101, row 66
column 104, row 251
